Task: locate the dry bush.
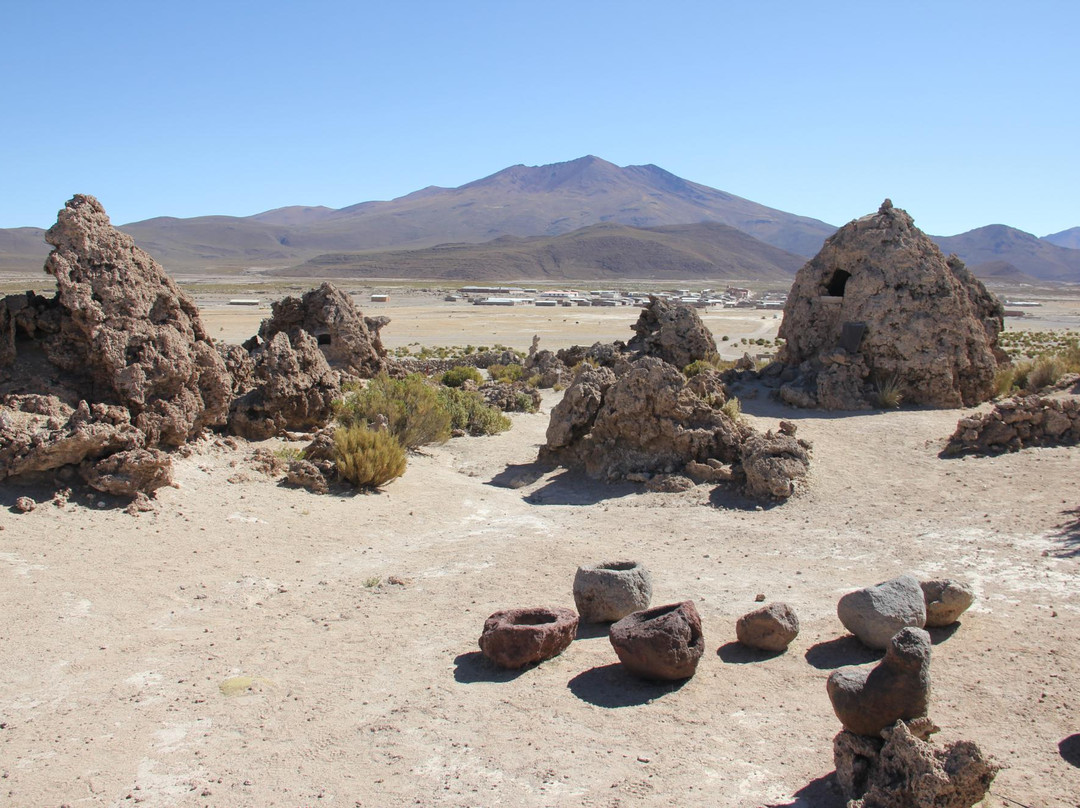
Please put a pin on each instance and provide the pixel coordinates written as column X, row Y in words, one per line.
column 410, row 405
column 469, row 412
column 1045, row 371
column 888, row 392
column 457, row 376
column 506, row 373
column 367, row 458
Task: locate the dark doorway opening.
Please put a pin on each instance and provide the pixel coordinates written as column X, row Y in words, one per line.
column 837, row 283
column 323, row 339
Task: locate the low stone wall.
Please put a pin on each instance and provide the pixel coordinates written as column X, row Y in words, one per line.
column 1016, row 423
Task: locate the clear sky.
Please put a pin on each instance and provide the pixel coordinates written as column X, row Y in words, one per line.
column 964, row 113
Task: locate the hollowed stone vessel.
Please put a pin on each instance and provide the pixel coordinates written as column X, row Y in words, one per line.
column 514, row 638
column 611, row 590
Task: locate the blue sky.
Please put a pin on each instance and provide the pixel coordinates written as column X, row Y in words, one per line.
column 964, row 113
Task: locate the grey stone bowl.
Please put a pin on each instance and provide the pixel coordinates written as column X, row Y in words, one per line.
column 611, row 590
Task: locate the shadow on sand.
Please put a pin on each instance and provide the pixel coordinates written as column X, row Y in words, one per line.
column 735, row 653
column 475, row 667
column 592, row 631
column 1069, row 749
column 1068, row 533
column 846, row 650
column 611, row 686
column 820, row 793
column 574, row 488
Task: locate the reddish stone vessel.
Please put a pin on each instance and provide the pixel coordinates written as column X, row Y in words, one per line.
column 515, row 638
column 664, row 642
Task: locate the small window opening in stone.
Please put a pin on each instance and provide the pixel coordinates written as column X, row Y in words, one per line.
column 837, row 283
column 323, row 339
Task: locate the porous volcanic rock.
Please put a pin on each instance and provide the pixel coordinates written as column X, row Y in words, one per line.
column 515, row 638
column 293, row 389
column 672, row 332
column 663, row 643
column 771, row 628
column 305, row 474
column 903, row 770
column 880, row 305
column 348, row 340
column 1017, row 422
column 876, row 613
column 774, row 465
column 868, row 699
column 649, row 420
column 946, row 599
column 129, row 472
column 24, row 504
column 610, row 590
column 119, row 354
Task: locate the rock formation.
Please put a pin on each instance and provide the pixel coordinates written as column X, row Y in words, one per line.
column 672, row 332
column 515, row 638
column 866, row 700
column 881, row 307
column 771, row 628
column 1018, row 422
column 876, row 613
column 117, row 362
column 648, row 420
column 348, row 340
column 291, row 388
column 904, row 769
column 663, row 643
column 611, row 590
column 946, row 599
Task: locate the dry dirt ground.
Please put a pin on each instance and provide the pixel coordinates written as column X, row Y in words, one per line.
column 247, row 644
column 253, row 645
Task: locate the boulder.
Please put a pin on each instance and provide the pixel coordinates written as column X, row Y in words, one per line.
column 904, row 769
column 946, row 599
column 663, row 643
column 771, row 628
column 348, row 340
column 128, row 473
column 672, row 332
column 611, row 590
column 305, row 474
column 1018, row 422
column 774, row 465
column 868, row 699
column 649, row 420
column 515, row 638
column 24, row 504
column 876, row 613
column 120, row 354
column 881, row 307
column 293, row 389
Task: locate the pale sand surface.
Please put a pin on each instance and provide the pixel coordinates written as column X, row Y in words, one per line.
column 118, row 632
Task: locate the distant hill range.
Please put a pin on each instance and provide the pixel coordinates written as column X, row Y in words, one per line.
column 600, row 251
column 539, row 221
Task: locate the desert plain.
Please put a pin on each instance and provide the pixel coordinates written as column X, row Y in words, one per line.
column 249, row 644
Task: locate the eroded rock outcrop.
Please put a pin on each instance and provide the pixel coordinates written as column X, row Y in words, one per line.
column 117, row 361
column 649, row 421
column 880, row 312
column 672, row 332
column 348, row 340
column 903, row 768
column 293, row 388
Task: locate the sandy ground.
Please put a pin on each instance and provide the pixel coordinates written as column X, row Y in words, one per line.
column 356, row 620
column 248, row 644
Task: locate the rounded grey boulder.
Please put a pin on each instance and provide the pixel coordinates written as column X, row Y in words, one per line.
column 611, row 590
column 771, row 628
column 876, row 613
column 946, row 599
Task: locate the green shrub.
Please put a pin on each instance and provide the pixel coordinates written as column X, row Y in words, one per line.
column 523, row 402
column 888, row 392
column 732, row 409
column 1045, row 371
column 411, row 407
column 455, row 377
column 367, row 458
column 1004, row 380
column 468, row 411
column 506, row 373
